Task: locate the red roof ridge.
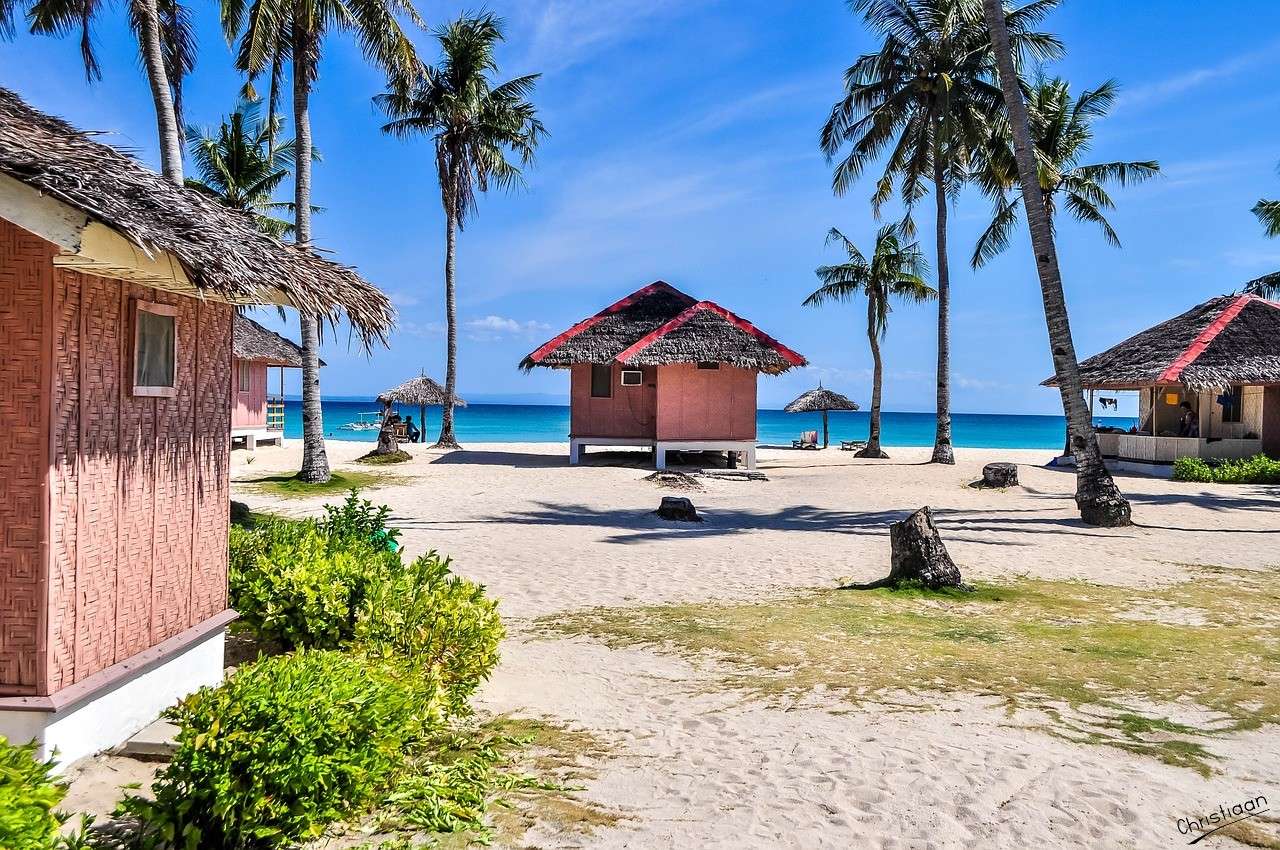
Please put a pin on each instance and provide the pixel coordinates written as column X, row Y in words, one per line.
column 621, row 304
column 1206, row 336
column 689, row 312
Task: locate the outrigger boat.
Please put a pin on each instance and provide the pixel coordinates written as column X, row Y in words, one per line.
column 364, row 422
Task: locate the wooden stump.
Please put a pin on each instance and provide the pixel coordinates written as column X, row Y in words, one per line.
column 917, row 554
column 679, row 509
column 1000, row 475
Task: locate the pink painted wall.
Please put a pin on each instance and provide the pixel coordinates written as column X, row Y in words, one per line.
column 629, row 413
column 706, row 404
column 249, row 410
column 129, row 522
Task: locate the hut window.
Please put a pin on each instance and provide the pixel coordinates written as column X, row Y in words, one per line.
column 632, row 377
column 155, row 345
column 601, row 380
column 1231, row 405
column 243, row 377
column 708, row 364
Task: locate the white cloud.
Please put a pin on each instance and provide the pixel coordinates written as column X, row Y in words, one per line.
column 1171, row 87
column 420, row 329
column 491, row 327
column 565, row 32
column 402, row 298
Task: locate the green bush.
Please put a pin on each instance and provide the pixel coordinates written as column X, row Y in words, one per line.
column 358, row 520
column 441, row 628
column 283, row 748
column 1258, row 469
column 28, row 797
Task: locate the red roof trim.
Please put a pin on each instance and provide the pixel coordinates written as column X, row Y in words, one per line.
column 621, row 304
column 1201, row 342
column 787, row 354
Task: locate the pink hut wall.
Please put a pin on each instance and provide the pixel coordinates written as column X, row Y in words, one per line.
column 706, row 404
column 114, row 506
column 249, row 410
column 629, row 413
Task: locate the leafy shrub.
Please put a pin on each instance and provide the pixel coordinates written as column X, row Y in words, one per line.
column 28, row 797
column 284, row 747
column 441, row 628
column 1258, row 469
column 358, row 520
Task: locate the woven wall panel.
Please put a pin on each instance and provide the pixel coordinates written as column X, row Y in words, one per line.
column 23, row 277
column 65, row 496
column 213, row 447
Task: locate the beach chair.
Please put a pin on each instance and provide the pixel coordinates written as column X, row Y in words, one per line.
column 852, row 445
column 402, row 432
column 808, row 440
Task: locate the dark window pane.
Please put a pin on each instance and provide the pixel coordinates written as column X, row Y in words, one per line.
column 601, row 381
column 708, row 364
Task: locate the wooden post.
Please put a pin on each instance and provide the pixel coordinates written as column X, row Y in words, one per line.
column 422, row 421
column 826, row 432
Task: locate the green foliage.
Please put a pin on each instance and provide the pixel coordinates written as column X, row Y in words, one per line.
column 442, row 628
column 357, row 519
column 291, row 486
column 1258, row 469
column 28, row 797
column 283, row 748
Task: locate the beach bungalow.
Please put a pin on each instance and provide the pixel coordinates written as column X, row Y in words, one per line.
column 117, row 294
column 1220, row 358
column 257, row 414
column 664, row 370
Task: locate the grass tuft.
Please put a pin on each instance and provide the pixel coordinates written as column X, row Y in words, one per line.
column 292, row 487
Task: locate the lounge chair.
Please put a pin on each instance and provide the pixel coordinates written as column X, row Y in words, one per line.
column 852, row 445
column 808, row 440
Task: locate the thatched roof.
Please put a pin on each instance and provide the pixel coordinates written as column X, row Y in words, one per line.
column 223, row 255
column 251, row 341
column 820, row 399
column 660, row 325
column 1228, row 340
column 420, row 390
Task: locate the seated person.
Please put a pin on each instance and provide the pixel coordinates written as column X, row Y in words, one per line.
column 1189, row 424
column 411, row 430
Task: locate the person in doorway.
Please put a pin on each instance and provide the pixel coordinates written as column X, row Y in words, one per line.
column 411, row 430
column 1189, row 424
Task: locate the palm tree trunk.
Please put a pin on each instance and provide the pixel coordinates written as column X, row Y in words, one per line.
column 161, row 93
column 1097, row 497
column 942, row 452
column 315, row 461
column 447, row 439
column 877, row 382
column 826, row 429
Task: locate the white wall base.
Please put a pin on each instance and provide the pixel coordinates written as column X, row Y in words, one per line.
column 746, row 447
column 110, row 717
column 577, row 444
column 251, row 437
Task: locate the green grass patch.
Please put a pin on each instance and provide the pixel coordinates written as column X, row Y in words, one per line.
column 382, row 460
column 290, row 486
column 1103, row 664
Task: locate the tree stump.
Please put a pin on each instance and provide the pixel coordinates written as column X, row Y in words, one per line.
column 1000, row 475
column 917, row 554
column 679, row 509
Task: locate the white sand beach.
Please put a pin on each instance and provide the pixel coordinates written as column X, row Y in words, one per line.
column 691, row 765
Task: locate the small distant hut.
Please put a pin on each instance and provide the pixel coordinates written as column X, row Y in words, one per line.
column 257, row 414
column 661, row 369
column 1222, row 358
column 422, row 392
column 821, row 400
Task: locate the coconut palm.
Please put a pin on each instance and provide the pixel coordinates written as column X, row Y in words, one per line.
column 1097, row 497
column 896, row 270
column 271, row 32
column 1268, row 213
column 241, row 165
column 475, row 125
column 925, row 97
column 167, row 45
column 1061, row 128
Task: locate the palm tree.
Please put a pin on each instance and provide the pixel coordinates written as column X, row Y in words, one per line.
column 1097, row 497
column 925, row 96
column 1268, row 213
column 896, row 270
column 1061, row 129
column 167, row 45
column 475, row 125
column 271, row 32
column 241, row 165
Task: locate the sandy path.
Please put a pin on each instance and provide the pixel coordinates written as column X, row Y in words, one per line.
column 705, row 769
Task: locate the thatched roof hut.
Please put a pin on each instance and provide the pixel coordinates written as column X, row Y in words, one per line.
column 820, row 399
column 251, row 341
column 421, row 391
column 1227, row 341
column 104, row 209
column 659, row 325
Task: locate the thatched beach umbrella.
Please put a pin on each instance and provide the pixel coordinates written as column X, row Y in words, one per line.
column 822, row 400
column 421, row 391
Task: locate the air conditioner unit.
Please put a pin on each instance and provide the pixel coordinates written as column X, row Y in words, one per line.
column 632, row 377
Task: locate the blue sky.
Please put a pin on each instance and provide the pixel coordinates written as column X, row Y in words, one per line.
column 683, row 147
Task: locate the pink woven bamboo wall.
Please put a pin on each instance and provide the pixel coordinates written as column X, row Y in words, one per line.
column 136, row 517
column 249, row 409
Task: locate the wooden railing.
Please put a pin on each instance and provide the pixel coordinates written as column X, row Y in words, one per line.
column 275, row 414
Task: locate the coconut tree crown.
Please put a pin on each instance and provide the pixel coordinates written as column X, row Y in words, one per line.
column 897, row 268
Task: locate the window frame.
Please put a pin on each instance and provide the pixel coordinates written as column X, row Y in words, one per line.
column 244, row 377
column 607, row 384
column 156, row 309
column 709, row 365
column 1237, row 409
column 636, row 373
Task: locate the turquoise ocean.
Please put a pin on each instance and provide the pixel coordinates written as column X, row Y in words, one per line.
column 546, row 423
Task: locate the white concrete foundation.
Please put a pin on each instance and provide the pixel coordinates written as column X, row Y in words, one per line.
column 108, row 717
column 251, row 437
column 746, row 447
column 577, row 444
